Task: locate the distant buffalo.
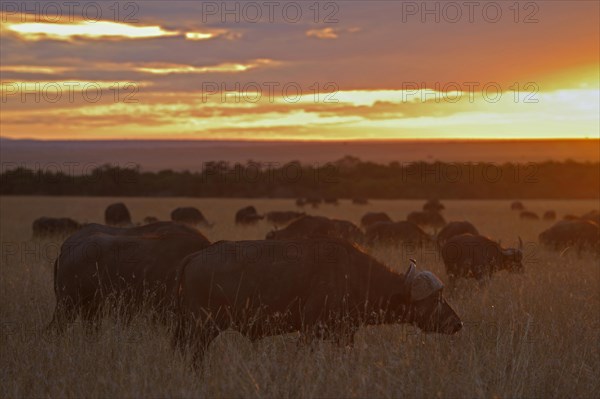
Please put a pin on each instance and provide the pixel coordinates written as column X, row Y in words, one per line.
column 323, row 289
column 283, row 217
column 581, row 234
column 433, row 205
column 549, row 215
column 247, row 215
column 300, row 202
column 360, row 201
column 517, row 206
column 396, row 233
column 313, row 201
column 331, row 200
column 454, row 229
column 475, row 256
column 46, row 226
column 571, row 217
column 189, row 215
column 433, row 219
column 528, row 215
column 311, row 226
column 117, row 215
column 137, row 265
column 371, row 218
column 150, row 220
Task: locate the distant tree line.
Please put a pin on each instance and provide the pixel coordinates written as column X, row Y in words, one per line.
column 347, row 178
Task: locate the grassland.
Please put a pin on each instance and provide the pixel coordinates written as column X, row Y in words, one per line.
column 531, row 335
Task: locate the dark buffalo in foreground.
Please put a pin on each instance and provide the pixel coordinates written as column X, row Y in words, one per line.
column 549, row 215
column 528, row 215
column 247, row 215
column 422, row 218
column 396, row 233
column 46, row 226
column 137, row 264
column 371, row 218
column 433, row 205
column 475, row 256
column 517, row 206
column 581, row 234
column 117, row 215
column 281, row 218
column 323, row 289
column 189, row 215
column 310, row 226
column 454, row 229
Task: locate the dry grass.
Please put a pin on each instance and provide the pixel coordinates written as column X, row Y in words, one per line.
column 532, row 335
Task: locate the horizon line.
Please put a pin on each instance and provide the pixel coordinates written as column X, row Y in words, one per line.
column 373, row 140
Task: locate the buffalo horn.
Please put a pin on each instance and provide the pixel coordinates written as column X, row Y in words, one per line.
column 410, row 274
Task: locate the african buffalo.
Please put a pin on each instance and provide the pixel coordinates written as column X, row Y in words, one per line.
column 454, row 229
column 423, row 218
column 517, row 206
column 581, row 234
column 150, row 220
column 549, row 215
column 117, row 215
column 189, row 215
column 371, row 218
column 360, row 201
column 475, row 256
column 46, row 226
column 136, row 264
column 314, row 201
column 433, row 205
column 323, row 289
column 247, row 215
column 331, row 200
column 311, row 226
column 300, row 202
column 283, row 217
column 528, row 215
column 395, row 233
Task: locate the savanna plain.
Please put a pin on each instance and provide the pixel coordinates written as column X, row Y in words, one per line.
column 525, row 335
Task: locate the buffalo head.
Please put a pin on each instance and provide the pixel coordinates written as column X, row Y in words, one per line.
column 427, row 307
column 513, row 258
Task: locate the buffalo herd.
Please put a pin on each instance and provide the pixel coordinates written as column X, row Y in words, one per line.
column 311, row 274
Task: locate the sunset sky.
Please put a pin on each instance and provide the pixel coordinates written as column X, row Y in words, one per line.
column 339, row 70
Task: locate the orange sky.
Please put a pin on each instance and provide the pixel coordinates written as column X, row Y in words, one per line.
column 386, row 70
